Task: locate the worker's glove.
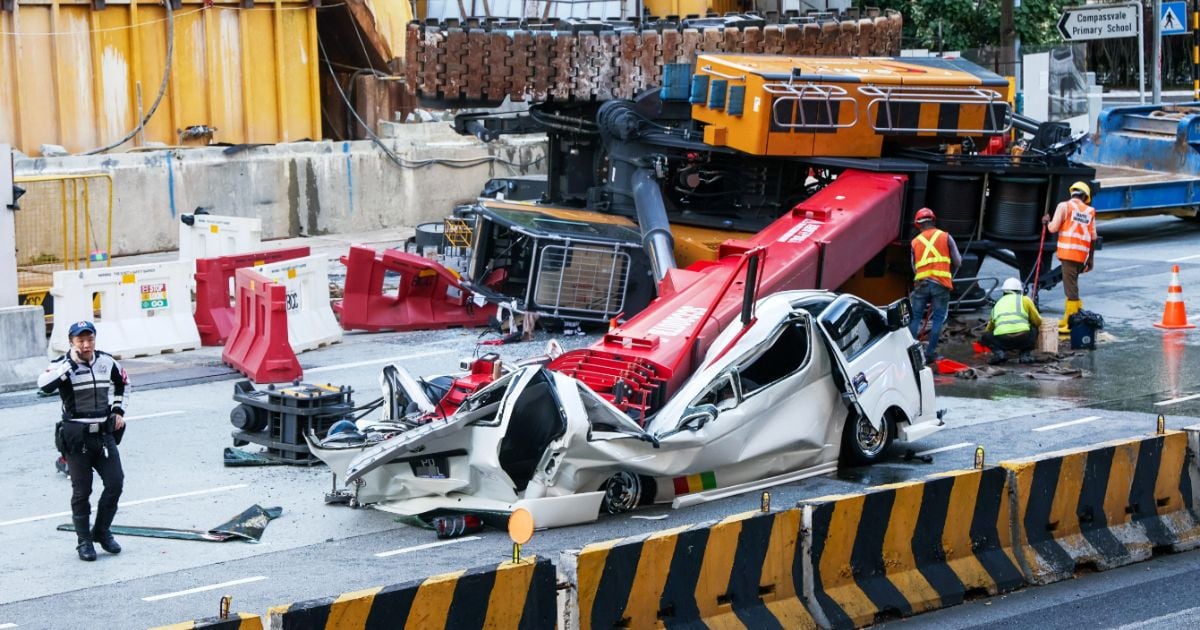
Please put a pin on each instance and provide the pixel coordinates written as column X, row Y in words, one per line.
column 1045, row 219
column 1087, row 264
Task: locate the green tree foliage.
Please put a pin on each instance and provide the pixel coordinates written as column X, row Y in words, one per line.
column 974, row 23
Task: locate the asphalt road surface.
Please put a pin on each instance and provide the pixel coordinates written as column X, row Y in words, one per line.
column 178, row 418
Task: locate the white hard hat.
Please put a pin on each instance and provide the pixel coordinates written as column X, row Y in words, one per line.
column 1012, row 284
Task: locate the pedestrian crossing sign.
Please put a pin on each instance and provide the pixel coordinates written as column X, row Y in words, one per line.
column 1174, row 18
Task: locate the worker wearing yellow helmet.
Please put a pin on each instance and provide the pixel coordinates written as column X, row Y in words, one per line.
column 1075, row 223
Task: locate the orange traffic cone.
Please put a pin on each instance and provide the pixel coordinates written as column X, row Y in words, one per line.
column 1174, row 313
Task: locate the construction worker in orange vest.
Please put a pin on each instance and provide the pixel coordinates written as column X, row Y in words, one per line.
column 935, row 258
column 1075, row 223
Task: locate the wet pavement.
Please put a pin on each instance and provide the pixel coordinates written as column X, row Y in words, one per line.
column 1140, row 365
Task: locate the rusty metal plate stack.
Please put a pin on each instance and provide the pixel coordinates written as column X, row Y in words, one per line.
column 483, row 61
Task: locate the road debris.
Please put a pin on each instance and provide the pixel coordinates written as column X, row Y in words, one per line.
column 248, row 526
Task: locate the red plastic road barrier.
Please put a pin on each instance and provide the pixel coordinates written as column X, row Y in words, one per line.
column 258, row 345
column 430, row 296
column 214, row 313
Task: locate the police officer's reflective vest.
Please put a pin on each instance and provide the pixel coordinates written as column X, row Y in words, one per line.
column 1075, row 235
column 1009, row 315
column 931, row 250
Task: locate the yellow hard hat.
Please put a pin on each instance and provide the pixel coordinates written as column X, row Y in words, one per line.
column 1083, row 188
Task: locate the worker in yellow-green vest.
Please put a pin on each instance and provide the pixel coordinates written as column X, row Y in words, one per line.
column 935, row 258
column 1014, row 325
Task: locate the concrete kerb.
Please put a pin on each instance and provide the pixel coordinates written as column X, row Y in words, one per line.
column 23, row 353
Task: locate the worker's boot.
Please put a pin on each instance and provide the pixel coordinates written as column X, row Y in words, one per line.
column 102, row 532
column 998, row 357
column 83, row 537
column 1072, row 307
column 1026, row 357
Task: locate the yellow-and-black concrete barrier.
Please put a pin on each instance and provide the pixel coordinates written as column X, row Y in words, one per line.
column 1103, row 506
column 521, row 595
column 743, row 571
column 235, row 621
column 905, row 548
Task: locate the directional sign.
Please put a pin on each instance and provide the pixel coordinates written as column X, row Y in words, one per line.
column 1099, row 21
column 1174, row 18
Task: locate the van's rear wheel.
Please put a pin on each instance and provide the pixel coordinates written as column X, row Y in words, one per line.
column 862, row 443
column 622, row 492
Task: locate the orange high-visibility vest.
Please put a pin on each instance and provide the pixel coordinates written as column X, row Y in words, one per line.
column 1077, row 232
column 931, row 251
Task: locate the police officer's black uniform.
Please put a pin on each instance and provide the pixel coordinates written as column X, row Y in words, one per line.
column 88, row 439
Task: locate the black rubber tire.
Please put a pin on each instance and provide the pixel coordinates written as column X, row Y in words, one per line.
column 623, row 492
column 856, row 452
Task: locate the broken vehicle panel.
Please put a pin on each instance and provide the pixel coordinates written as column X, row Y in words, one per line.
column 775, row 399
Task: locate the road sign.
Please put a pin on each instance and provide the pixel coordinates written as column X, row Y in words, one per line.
column 1174, row 18
column 1099, row 21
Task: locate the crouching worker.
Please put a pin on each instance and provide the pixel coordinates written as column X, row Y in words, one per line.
column 92, row 387
column 1014, row 325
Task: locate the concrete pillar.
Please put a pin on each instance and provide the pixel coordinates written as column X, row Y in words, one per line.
column 23, row 353
column 8, row 236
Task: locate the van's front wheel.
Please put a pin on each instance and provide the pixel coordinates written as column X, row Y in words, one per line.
column 862, row 443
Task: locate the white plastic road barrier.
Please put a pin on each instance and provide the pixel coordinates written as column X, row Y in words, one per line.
column 143, row 309
column 211, row 235
column 311, row 323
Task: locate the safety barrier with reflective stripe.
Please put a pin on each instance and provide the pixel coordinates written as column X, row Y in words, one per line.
column 310, row 319
column 906, row 548
column 744, row 569
column 520, row 595
column 1103, row 506
column 210, row 235
column 143, row 309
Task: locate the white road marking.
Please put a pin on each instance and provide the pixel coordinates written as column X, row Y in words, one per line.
column 1176, row 400
column 1183, row 258
column 154, row 415
column 1051, row 427
column 201, row 589
column 943, row 449
column 440, row 543
column 125, row 504
column 1116, row 269
column 647, row 517
column 403, row 357
column 5, row 626
column 1158, row 622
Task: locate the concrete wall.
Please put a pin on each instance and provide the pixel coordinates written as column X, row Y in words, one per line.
column 298, row 189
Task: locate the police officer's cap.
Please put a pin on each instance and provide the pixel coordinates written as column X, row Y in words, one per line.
column 78, row 328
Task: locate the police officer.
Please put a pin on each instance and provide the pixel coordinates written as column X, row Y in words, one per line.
column 935, row 258
column 1075, row 223
column 92, row 387
column 1013, row 326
